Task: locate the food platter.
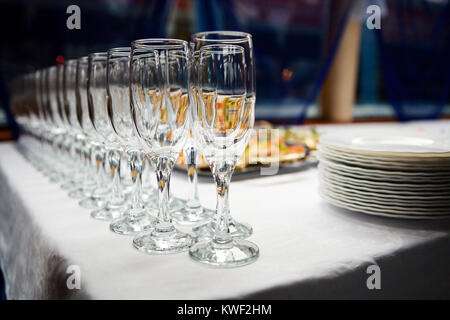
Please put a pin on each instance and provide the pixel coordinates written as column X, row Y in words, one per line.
column 271, row 150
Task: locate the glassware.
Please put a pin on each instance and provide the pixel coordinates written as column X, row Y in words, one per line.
column 57, row 131
column 192, row 211
column 77, row 105
column 223, row 125
column 92, row 85
column 65, row 95
column 66, row 82
column 43, row 123
column 159, row 100
column 244, row 40
column 108, row 145
column 136, row 218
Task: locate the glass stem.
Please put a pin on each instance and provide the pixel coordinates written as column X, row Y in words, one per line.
column 193, row 201
column 73, row 154
column 163, row 170
column 114, row 155
column 98, row 156
column 59, row 153
column 222, row 232
column 79, row 155
column 67, row 148
column 136, row 162
column 86, row 153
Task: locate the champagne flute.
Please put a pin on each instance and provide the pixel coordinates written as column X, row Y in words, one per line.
column 159, row 98
column 108, row 145
column 83, row 184
column 136, row 218
column 57, row 131
column 244, row 40
column 223, row 125
column 65, row 88
column 192, row 211
column 92, row 86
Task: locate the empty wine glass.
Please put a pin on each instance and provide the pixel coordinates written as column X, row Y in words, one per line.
column 71, row 118
column 83, row 184
column 43, row 122
column 66, row 84
column 41, row 156
column 244, row 40
column 223, row 126
column 192, row 211
column 58, row 131
column 159, row 69
column 136, row 218
column 108, row 145
column 88, row 138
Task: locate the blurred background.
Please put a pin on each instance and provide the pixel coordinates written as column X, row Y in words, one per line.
column 317, row 61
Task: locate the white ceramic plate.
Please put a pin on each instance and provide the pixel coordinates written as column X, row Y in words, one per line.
column 378, row 212
column 385, row 178
column 388, row 198
column 382, row 141
column 394, row 207
column 387, row 175
column 384, row 165
column 418, row 161
column 400, row 187
column 400, row 158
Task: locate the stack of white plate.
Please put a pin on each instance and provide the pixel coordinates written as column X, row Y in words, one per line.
column 398, row 173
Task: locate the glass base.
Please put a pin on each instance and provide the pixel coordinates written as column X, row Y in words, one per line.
column 187, row 216
column 234, row 253
column 110, row 212
column 175, row 204
column 96, row 200
column 69, row 185
column 237, row 230
column 55, row 177
column 80, row 193
column 133, row 223
column 150, row 195
column 92, row 203
column 162, row 240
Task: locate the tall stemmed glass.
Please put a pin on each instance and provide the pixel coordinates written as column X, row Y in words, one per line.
column 60, row 117
column 58, row 131
column 32, row 119
column 136, row 219
column 40, row 146
column 192, row 211
column 63, row 112
column 68, row 111
column 73, row 114
column 52, row 167
column 95, row 93
column 43, row 122
column 161, row 123
column 223, row 126
column 89, row 137
column 244, row 40
column 108, row 144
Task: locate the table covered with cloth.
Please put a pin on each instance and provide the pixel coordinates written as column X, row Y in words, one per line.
column 308, row 248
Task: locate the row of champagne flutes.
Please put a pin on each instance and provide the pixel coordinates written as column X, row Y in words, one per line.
column 142, row 105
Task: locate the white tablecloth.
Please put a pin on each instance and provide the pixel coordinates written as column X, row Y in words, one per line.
column 309, row 249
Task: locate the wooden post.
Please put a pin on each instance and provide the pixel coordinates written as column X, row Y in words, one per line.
column 339, row 88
